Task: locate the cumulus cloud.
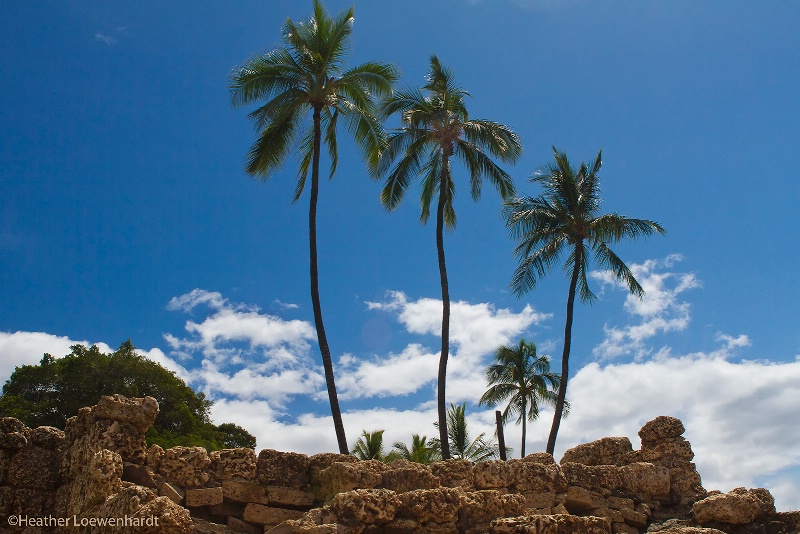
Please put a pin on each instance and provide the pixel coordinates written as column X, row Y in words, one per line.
column 27, row 348
column 659, row 311
column 476, row 331
column 241, row 353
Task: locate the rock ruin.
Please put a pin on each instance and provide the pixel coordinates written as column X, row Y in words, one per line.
column 99, row 476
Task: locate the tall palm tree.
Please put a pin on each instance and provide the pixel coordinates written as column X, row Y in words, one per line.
column 422, row 450
column 566, row 218
column 369, row 446
column 461, row 446
column 308, row 75
column 523, row 379
column 435, row 129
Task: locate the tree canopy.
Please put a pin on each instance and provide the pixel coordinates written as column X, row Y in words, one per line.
column 53, row 391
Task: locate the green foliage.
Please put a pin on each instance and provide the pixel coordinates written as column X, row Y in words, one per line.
column 51, row 392
column 369, row 446
column 523, row 379
column 422, row 450
column 461, row 446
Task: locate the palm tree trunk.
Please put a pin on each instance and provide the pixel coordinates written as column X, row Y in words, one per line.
column 324, row 350
column 524, row 428
column 562, row 390
column 443, row 437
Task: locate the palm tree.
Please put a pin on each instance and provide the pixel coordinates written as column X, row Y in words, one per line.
column 461, row 446
column 436, row 128
column 308, row 75
column 369, row 446
column 524, row 380
column 422, row 450
column 565, row 217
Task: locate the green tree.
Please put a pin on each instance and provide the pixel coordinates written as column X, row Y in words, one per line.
column 566, row 218
column 51, row 392
column 435, row 129
column 308, row 75
column 422, row 450
column 369, row 446
column 461, row 446
column 523, row 379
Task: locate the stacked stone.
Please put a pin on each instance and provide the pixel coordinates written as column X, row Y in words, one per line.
column 103, row 471
column 29, row 474
column 606, row 478
column 663, row 445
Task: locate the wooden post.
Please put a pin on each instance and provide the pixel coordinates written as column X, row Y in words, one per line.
column 501, row 440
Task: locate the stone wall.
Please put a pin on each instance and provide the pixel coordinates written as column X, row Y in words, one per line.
column 100, row 467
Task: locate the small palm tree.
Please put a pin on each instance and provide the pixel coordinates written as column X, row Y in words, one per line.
column 422, row 450
column 523, row 379
column 437, row 128
column 566, row 218
column 461, row 446
column 369, row 446
column 308, row 75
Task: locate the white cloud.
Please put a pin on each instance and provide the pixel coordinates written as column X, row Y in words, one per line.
column 659, row 311
column 27, row 348
column 396, row 374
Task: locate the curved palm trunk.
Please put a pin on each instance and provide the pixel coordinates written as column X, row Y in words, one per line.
column 443, row 437
column 321, row 337
column 562, row 390
column 524, row 429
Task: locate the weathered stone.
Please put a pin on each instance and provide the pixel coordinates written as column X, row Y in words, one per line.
column 172, row 492
column 237, row 525
column 226, row 508
column 139, row 474
column 605, row 451
column 623, row 528
column 342, row 477
column 539, row 500
column 493, row 474
column 601, row 478
column 537, row 477
column 580, row 499
column 551, row 524
column 153, row 457
column 238, row 464
column 612, row 515
column 202, row 526
column 280, row 496
column 11, row 433
column 734, row 508
column 454, row 473
column 186, row 466
column 5, row 461
column 34, row 468
column 634, row 518
column 688, row 530
column 439, row 505
column 365, row 506
column 677, row 449
column 266, row 515
column 98, row 479
column 140, row 413
column 288, row 469
column 408, row 479
column 33, row 503
column 643, row 478
column 154, row 515
column 46, row 437
column 539, row 458
column 245, row 492
column 203, row 497
column 479, row 508
column 661, row 428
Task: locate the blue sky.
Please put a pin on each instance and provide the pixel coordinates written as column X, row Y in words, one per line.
column 125, row 213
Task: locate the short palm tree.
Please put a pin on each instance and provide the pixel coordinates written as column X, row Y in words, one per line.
column 369, row 446
column 422, row 450
column 566, row 218
column 435, row 129
column 308, row 75
column 523, row 379
column 461, row 446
